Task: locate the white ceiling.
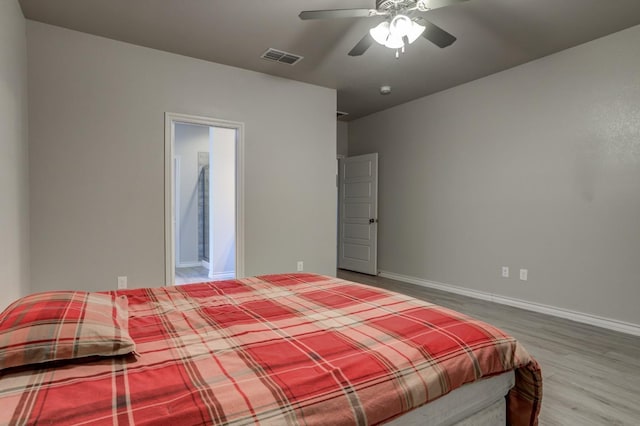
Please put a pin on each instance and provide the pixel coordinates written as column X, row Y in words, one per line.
column 493, row 35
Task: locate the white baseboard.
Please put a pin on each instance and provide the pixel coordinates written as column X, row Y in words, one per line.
column 222, row 275
column 205, row 264
column 608, row 323
column 188, row 264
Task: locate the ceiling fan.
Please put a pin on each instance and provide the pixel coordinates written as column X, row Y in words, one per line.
column 402, row 24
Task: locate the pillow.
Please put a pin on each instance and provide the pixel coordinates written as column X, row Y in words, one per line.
column 63, row 325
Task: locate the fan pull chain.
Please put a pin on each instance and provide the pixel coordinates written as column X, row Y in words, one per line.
column 398, row 52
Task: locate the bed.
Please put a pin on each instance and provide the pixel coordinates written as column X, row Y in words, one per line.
column 269, row 350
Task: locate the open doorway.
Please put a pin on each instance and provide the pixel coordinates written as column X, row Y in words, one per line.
column 205, row 195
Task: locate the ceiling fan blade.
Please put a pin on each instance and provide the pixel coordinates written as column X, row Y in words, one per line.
column 336, row 13
column 436, row 35
column 362, row 45
column 435, row 4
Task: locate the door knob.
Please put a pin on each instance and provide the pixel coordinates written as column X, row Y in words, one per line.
column 373, row 220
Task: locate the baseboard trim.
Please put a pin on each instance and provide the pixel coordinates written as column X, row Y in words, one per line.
column 608, row 323
column 222, row 275
column 188, row 264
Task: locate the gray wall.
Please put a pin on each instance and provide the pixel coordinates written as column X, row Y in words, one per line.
column 536, row 167
column 14, row 184
column 97, row 159
column 342, row 146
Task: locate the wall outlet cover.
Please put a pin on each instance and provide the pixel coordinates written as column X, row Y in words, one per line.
column 122, row 283
column 524, row 274
column 505, row 272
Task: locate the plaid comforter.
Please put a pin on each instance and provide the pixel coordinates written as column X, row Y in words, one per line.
column 278, row 349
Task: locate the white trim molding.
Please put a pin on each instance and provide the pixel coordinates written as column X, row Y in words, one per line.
column 188, row 264
column 176, row 184
column 608, row 323
column 216, row 276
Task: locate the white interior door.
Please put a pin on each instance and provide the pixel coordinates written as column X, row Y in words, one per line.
column 358, row 214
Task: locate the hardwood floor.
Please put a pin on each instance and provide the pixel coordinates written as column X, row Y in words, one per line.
column 591, row 376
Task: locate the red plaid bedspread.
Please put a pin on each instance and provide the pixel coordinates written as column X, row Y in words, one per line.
column 278, row 349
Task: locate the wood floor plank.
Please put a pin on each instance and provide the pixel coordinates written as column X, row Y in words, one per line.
column 591, row 376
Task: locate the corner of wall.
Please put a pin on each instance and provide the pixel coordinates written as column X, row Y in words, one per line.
column 14, row 154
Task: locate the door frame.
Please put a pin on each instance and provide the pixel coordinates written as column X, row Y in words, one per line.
column 176, row 208
column 169, row 192
column 339, row 159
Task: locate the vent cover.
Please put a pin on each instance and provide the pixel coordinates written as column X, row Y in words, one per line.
column 276, row 55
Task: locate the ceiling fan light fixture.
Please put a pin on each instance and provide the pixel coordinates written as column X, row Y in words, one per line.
column 380, row 32
column 392, row 34
column 400, row 25
column 415, row 31
column 382, row 35
column 394, row 42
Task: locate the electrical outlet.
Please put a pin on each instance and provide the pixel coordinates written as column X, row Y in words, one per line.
column 524, row 274
column 122, row 283
column 300, row 265
column 505, row 272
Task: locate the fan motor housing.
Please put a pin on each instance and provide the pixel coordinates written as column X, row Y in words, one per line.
column 393, row 4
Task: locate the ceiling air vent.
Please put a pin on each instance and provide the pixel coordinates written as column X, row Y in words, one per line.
column 276, row 55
